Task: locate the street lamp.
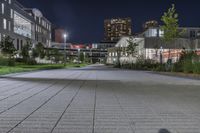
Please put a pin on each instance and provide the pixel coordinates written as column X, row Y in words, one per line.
column 65, row 54
column 79, row 55
column 161, row 56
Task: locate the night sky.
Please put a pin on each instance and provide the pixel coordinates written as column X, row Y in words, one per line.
column 83, row 19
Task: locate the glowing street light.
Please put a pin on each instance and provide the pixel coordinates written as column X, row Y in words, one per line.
column 65, row 39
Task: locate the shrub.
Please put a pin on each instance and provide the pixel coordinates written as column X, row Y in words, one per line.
column 6, row 62
column 19, row 60
column 160, row 67
column 11, row 62
column 3, row 61
column 177, row 67
column 188, row 66
column 31, row 62
column 196, row 68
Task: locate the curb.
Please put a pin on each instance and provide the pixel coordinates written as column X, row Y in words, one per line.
column 180, row 75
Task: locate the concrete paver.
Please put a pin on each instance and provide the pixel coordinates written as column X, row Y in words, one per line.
column 98, row 99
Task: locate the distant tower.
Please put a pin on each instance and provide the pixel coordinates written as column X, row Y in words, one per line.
column 150, row 24
column 59, row 38
column 116, row 28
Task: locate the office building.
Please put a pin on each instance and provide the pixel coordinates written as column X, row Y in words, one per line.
column 59, row 35
column 22, row 23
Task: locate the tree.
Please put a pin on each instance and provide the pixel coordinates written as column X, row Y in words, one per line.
column 82, row 57
column 170, row 27
column 53, row 54
column 40, row 50
column 132, row 47
column 56, row 55
column 34, row 53
column 8, row 48
column 25, row 51
column 118, row 50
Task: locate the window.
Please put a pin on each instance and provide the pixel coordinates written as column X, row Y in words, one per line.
column 9, row 25
column 11, row 13
column 2, row 8
column 17, row 44
column 4, row 24
column 192, row 34
column 151, row 33
column 22, row 26
column 9, row 2
column 198, row 33
column 21, row 43
column 161, row 33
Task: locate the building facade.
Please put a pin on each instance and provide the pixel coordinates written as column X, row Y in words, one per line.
column 116, row 28
column 59, row 35
column 150, row 24
column 151, row 46
column 22, row 23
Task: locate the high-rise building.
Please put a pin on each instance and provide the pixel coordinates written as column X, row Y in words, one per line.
column 150, row 24
column 21, row 23
column 59, row 35
column 116, row 28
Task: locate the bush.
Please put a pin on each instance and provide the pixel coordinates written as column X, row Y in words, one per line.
column 31, row 62
column 196, row 68
column 19, row 60
column 177, row 67
column 11, row 62
column 188, row 67
column 160, row 68
column 6, row 62
column 3, row 61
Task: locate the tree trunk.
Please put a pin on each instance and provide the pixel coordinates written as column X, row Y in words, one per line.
column 169, row 56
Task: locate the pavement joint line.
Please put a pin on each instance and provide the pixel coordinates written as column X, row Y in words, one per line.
column 165, row 123
column 152, row 110
column 131, row 123
column 94, row 110
column 68, row 105
column 12, row 88
column 27, row 98
column 43, row 102
column 17, row 93
column 6, row 83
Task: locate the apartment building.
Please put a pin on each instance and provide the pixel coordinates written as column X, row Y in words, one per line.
column 116, row 28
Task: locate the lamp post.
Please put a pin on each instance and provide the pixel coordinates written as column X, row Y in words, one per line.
column 161, row 56
column 65, row 54
column 79, row 55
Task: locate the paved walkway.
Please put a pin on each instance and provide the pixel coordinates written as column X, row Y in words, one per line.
column 98, row 99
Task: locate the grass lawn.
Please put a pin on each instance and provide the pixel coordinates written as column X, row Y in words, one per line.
column 27, row 68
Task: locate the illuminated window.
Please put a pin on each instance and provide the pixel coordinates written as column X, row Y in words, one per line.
column 4, row 24
column 153, row 32
column 22, row 26
column 161, row 33
column 11, row 13
column 2, row 8
column 9, row 25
